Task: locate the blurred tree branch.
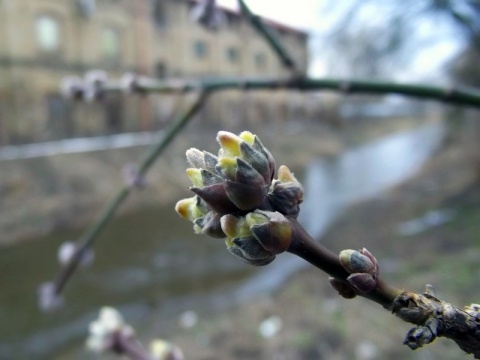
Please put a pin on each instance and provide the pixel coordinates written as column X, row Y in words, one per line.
column 88, row 238
column 461, row 95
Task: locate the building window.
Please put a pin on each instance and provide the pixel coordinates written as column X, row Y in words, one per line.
column 260, row 60
column 232, row 55
column 47, row 30
column 200, row 49
column 110, row 43
column 161, row 70
column 158, row 13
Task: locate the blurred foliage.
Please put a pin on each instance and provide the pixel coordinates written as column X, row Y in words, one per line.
column 376, row 37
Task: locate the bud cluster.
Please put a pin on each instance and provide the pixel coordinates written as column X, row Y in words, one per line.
column 363, row 269
column 238, row 198
column 106, row 331
column 110, row 333
column 90, row 88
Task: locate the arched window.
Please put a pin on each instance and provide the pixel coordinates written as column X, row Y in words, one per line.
column 110, row 43
column 47, row 31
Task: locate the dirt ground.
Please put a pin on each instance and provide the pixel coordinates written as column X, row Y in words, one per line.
column 307, row 320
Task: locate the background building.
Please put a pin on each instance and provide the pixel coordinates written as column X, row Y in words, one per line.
column 43, row 41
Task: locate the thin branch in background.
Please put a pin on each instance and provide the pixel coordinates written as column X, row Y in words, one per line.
column 453, row 95
column 272, row 40
column 91, row 234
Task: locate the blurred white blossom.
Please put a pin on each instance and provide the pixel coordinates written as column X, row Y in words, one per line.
column 164, row 350
column 104, row 330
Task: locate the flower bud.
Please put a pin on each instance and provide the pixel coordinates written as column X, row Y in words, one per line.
column 274, row 233
column 216, row 198
column 362, row 281
column 71, row 87
column 243, row 243
column 68, row 250
column 286, row 193
column 129, row 83
column 362, row 266
column 343, row 289
column 94, row 82
column 257, row 144
column 201, row 159
column 238, row 199
column 195, row 158
column 245, row 197
column 195, row 175
column 164, row 350
column 48, row 299
column 209, row 225
column 286, row 176
column 257, row 160
column 355, row 262
column 249, row 250
column 374, row 260
column 104, row 331
column 191, row 208
column 235, row 226
column 229, row 143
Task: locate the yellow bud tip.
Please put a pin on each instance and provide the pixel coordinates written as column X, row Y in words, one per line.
column 234, row 226
column 160, row 348
column 188, row 209
column 229, row 242
column 197, row 229
column 285, row 175
column 195, row 176
column 182, row 208
column 228, row 165
column 254, row 218
column 248, row 137
column 229, row 225
column 229, row 142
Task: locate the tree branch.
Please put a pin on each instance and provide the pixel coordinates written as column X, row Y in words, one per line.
column 457, row 96
column 271, row 39
column 91, row 234
column 433, row 317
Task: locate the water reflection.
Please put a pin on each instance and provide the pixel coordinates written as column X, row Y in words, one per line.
column 151, row 260
column 359, row 173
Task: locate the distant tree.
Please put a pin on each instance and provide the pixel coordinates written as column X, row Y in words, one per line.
column 373, row 38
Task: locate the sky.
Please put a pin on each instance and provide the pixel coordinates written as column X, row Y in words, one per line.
column 303, row 14
column 310, row 15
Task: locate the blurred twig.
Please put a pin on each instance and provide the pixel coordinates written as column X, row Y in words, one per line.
column 455, row 95
column 88, row 238
column 270, row 37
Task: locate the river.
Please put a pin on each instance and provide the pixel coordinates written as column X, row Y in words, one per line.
column 151, row 261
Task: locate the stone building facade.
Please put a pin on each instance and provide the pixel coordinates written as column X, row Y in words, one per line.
column 43, row 41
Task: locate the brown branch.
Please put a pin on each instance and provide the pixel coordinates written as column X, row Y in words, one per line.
column 433, row 317
column 437, row 318
column 149, row 158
